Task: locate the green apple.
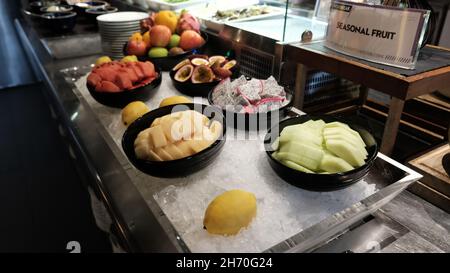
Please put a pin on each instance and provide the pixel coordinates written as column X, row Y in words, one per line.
column 174, row 40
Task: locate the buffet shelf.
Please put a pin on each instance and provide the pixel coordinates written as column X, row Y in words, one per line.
column 142, row 207
column 290, row 218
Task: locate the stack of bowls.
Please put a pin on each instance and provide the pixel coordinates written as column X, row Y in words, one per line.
column 116, row 28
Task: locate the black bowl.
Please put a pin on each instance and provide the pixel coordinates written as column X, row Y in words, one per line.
column 121, row 99
column 81, row 7
column 193, row 89
column 60, row 21
column 167, row 63
column 178, row 167
column 35, row 7
column 254, row 121
column 34, row 17
column 92, row 13
column 56, row 8
column 320, row 182
column 197, row 89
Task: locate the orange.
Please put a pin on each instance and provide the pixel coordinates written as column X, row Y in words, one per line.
column 136, row 36
column 146, row 38
column 167, row 18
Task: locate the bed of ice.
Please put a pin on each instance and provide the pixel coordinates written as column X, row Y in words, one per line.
column 282, row 210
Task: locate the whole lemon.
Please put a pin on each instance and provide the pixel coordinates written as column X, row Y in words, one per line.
column 102, row 60
column 167, row 18
column 174, row 100
column 229, row 212
column 129, row 58
column 133, row 111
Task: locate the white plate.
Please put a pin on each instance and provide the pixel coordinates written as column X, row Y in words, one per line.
column 214, row 24
column 120, row 31
column 163, row 5
column 122, row 16
column 122, row 35
column 118, row 26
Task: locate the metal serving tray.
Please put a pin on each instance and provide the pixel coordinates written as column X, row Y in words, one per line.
column 289, row 219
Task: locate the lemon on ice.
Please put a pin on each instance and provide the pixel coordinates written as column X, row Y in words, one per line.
column 174, row 100
column 229, row 212
column 133, row 111
column 102, row 60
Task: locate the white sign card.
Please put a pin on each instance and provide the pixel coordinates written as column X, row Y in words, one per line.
column 382, row 34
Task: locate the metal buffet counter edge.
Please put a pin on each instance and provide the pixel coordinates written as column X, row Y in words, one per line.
column 138, row 224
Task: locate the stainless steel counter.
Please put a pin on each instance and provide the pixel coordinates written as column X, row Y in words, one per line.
column 136, row 222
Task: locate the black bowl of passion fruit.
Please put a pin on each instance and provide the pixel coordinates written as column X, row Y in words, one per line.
column 320, row 153
column 198, row 74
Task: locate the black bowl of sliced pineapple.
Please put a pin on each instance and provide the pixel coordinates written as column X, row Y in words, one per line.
column 175, row 140
column 320, row 153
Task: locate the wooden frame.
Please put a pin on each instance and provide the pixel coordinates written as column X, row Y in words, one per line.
column 399, row 87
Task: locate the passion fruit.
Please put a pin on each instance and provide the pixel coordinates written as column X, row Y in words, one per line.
column 221, row 73
column 229, row 65
column 202, row 74
column 216, row 59
column 181, row 64
column 174, row 51
column 199, row 61
column 193, row 56
column 184, row 73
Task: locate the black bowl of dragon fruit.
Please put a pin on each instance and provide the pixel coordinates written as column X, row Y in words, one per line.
column 251, row 104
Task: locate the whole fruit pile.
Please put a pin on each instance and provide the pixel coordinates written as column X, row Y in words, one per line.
column 203, row 69
column 118, row 76
column 319, row 147
column 166, row 34
column 177, row 135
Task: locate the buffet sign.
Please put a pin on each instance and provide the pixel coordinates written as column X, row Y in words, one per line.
column 382, row 34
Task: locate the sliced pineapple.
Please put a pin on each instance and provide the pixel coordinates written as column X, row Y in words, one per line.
column 176, row 136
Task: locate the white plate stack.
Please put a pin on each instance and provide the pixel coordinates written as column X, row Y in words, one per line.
column 116, row 28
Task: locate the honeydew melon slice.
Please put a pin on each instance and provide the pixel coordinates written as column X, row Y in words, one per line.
column 276, row 144
column 333, row 164
column 308, row 156
column 344, row 136
column 304, row 161
column 302, row 135
column 345, row 151
column 361, row 149
column 275, row 156
column 345, row 133
column 317, row 125
column 295, row 166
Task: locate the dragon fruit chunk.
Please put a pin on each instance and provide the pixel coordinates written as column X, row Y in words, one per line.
column 188, row 22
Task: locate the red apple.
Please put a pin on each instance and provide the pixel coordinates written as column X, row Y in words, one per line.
column 136, row 47
column 190, row 40
column 160, row 36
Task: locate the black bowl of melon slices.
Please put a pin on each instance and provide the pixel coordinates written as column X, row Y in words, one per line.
column 175, row 140
column 320, row 153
